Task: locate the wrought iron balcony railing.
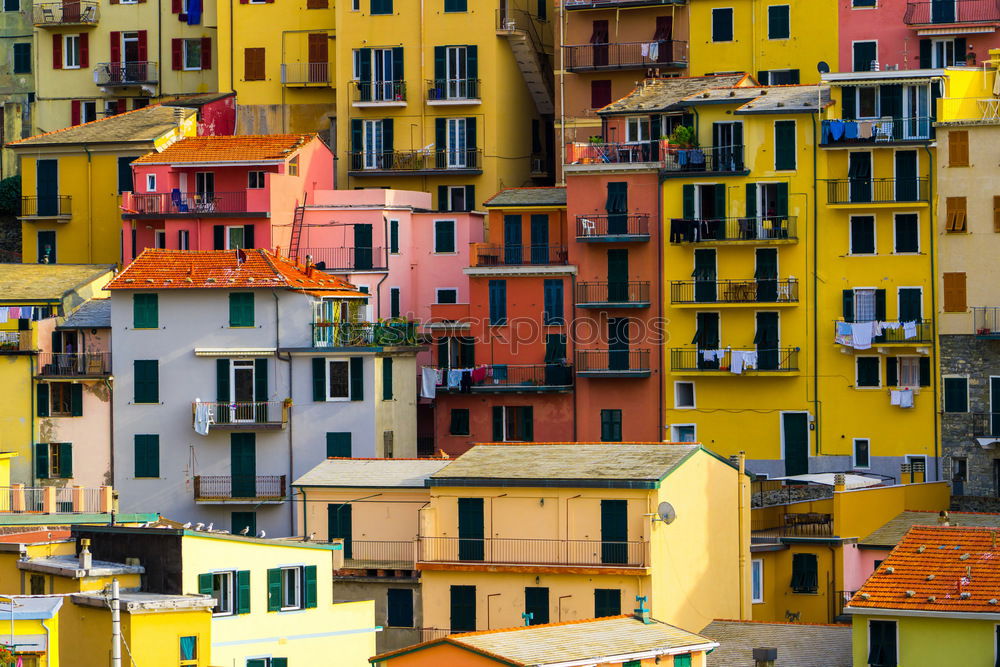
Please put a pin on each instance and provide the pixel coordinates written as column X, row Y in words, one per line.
column 763, row 229
column 611, row 362
column 417, row 160
column 513, row 551
column 986, row 321
column 876, row 131
column 612, row 226
column 240, row 414
column 612, row 294
column 452, row 90
column 484, row 254
column 346, row 259
column 761, row 290
column 125, row 73
column 74, row 364
column 877, row 190
column 233, row 487
column 378, row 92
column 735, row 360
column 625, row 55
column 379, row 554
column 555, row 376
column 46, row 206
column 913, row 332
column 306, row 74
column 191, row 203
column 951, row 11
column 55, row 14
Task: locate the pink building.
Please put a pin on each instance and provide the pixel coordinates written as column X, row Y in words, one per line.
column 908, row 35
column 222, row 192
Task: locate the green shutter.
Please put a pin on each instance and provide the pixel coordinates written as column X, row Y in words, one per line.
column 145, row 311
column 849, row 96
column 66, row 460
column 720, row 201
column 42, row 400
column 357, row 379
column 956, row 397
column 279, row 662
column 147, row 455
column 751, row 200
column 387, row 379
column 784, row 145
column 243, row 592
column 880, row 304
column 441, row 142
column 309, row 577
column 470, row 197
column 527, row 423
column 357, row 141
column 497, row 423
column 848, row 309
column 222, row 394
column 338, row 445
column 256, row 662
column 394, row 236
column 274, row 589
column 260, row 391
column 778, row 22
column 205, row 584
column 472, row 67
column 42, row 460
column 925, row 371
column 241, row 309
column 319, row 378
column 470, row 134
column 76, row 399
column 891, row 371
column 781, row 203
column 688, row 190
column 146, row 381
column 440, row 69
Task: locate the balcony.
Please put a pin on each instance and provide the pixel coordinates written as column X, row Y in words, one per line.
column 616, row 155
column 748, row 361
column 613, row 363
column 486, row 255
column 907, row 334
column 612, row 227
column 305, row 75
column 985, row 424
column 956, row 11
column 58, row 208
column 59, row 14
column 609, row 295
column 499, row 378
column 625, row 55
column 341, row 260
column 18, row 499
column 72, row 365
column 770, row 528
column 192, row 204
column 121, row 75
column 225, row 489
column 704, row 159
column 380, row 554
column 618, row 4
column 765, row 230
column 445, row 92
column 378, row 93
column 15, row 341
column 986, row 322
column 877, row 131
column 363, row 334
column 416, row 162
column 877, row 190
column 533, row 552
column 721, row 292
column 240, row 415
column 449, row 316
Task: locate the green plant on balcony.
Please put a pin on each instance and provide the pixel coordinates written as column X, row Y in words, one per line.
column 597, row 139
column 684, row 136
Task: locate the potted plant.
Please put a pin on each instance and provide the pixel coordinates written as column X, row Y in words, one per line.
column 684, row 136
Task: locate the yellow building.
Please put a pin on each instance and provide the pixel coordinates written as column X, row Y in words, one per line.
column 520, row 534
column 442, row 106
column 780, row 42
column 32, row 630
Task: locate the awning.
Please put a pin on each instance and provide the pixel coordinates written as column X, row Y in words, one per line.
column 956, row 30
column 868, row 83
column 234, row 351
column 852, row 480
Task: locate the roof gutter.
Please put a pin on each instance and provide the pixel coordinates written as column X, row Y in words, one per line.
column 638, row 655
column 920, row 613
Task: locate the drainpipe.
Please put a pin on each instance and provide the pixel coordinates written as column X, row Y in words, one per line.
column 34, row 411
column 90, row 205
column 576, row 387
column 815, row 287
column 934, row 320
column 305, row 512
column 562, row 96
column 661, row 385
column 741, row 468
column 288, row 360
column 111, row 429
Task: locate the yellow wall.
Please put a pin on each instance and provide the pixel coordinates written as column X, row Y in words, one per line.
column 932, row 641
column 859, row 513
column 779, row 598
column 49, row 627
column 16, row 412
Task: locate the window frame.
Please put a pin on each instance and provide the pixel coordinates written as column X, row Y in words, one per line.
column 14, row 57
column 805, row 591
column 732, row 25
column 857, row 369
column 694, row 400
column 868, row 635
column 185, row 44
column 468, row 421
column 511, row 419
column 613, row 415
column 150, row 182
column 192, row 661
column 295, row 574
column 854, row 67
column 328, row 365
column 16, row 8
column 231, row 574
column 255, row 179
column 895, row 234
column 757, row 581
column 850, row 236
column 68, row 50
column 437, row 295
column 454, row 237
column 66, row 396
column 788, row 21
column 854, row 454
column 944, row 394
column 674, row 437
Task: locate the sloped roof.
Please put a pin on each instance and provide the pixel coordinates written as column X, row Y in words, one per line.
column 550, row 196
column 238, row 148
column 134, row 127
column 889, row 535
column 765, row 99
column 663, row 94
column 40, row 282
column 381, row 473
column 93, row 314
column 598, row 639
column 225, row 269
column 937, row 569
column 798, row 644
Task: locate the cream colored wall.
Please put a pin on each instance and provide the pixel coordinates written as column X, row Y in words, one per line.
column 390, row 515
column 398, row 414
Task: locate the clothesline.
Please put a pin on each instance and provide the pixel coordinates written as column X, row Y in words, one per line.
column 35, row 313
column 860, row 335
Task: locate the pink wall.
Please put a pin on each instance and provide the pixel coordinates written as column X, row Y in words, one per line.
column 859, row 564
column 218, row 117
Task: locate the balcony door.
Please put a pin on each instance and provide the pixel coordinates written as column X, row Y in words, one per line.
column 457, row 135
column 766, row 341
column 539, row 239
column 47, row 186
column 916, row 112
column 994, row 405
column 618, row 275
column 363, row 255
column 907, row 185
column 339, row 525
column 705, row 274
column 373, row 136
column 243, row 462
column 241, row 382
column 513, row 251
column 618, row 344
column 795, row 442
column 133, row 52
column 470, row 529
column 614, row 532
column 383, row 75
column 319, row 57
column 706, row 338
column 766, row 274
column 616, row 206
column 727, row 142
column 942, row 11
column 859, row 175
column 457, row 72
column 599, row 44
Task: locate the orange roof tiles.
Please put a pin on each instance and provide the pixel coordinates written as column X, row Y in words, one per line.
column 938, row 568
column 35, row 536
column 239, row 148
column 225, row 269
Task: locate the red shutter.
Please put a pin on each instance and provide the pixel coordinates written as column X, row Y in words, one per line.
column 243, row 2
column 177, row 54
column 84, row 50
column 122, row 105
column 206, row 53
column 114, row 2
column 142, row 46
column 116, row 47
column 57, row 51
column 176, row 6
column 74, row 112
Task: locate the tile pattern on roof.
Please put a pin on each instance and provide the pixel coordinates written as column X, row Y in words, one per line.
column 938, row 568
column 224, row 269
column 889, row 534
column 382, row 473
column 662, row 94
column 92, row 314
column 30, row 282
column 238, row 148
column 541, row 196
column 798, row 644
column 136, row 126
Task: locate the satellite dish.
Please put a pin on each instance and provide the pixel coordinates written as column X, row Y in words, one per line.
column 665, row 512
column 822, row 67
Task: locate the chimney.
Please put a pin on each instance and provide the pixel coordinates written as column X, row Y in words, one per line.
column 764, row 657
column 86, row 560
column 839, row 482
column 641, row 613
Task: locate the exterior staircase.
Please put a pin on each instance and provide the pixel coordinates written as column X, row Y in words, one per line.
column 521, row 30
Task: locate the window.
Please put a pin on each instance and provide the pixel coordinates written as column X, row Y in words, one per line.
column 463, row 608
column 399, row 608
column 253, row 64
column 862, row 235
column 444, row 236
column 867, row 371
column 146, row 381
column 867, row 104
column 381, row 7
column 611, row 425
column 459, row 142
column 862, row 453
column 291, row 588
column 85, row 111
column 683, row 433
column 12, row 5
column 498, row 302
column 600, row 93
column 65, row 399
column 865, row 53
column 956, row 394
column 955, row 215
column 22, row 58
column 150, row 182
column 222, row 591
column 338, row 385
column 943, row 52
column 53, row 460
column 681, row 660
column 862, row 3
column 394, row 308
column 145, row 311
column 954, row 292
column 958, row 148
column 552, row 314
column 267, row 662
column 456, row 197
column 147, row 455
column 459, row 421
column 513, row 423
column 804, row 573
column 778, row 23
column 757, row 581
column 36, row 584
column 882, row 643
column 455, row 6
column 607, row 602
column 448, row 295
column 394, row 237
column 536, row 605
column 907, row 371
column 192, row 54
column 907, row 237
column 387, row 379
column 255, row 180
column 184, row 239
column 355, row 5
column 241, row 313
column 293, row 166
column 71, row 51
column 291, row 592
column 637, row 128
column 189, row 650
column 722, row 24
column 959, row 469
column 684, row 394
column 46, row 245
column 784, row 145
column 338, row 445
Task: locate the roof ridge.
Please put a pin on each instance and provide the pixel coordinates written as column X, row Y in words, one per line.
column 796, row 624
column 91, row 122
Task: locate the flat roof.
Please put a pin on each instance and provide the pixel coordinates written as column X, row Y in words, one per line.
column 69, row 566
column 136, row 601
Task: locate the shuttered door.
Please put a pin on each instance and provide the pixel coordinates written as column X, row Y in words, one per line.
column 470, row 529
column 954, row 292
column 705, row 273
column 784, row 145
column 362, row 247
column 339, row 525
column 319, row 55
column 766, row 341
column 795, row 433
column 956, row 395
column 399, row 608
column 539, row 239
column 707, row 338
column 859, row 173
column 536, row 603
column 47, row 187
column 907, row 185
column 146, row 383
column 766, row 274
column 463, row 608
column 512, row 250
column 618, row 343
column 614, row 531
column 498, row 302
column 618, row 275
column 243, row 460
column 909, row 304
column 617, row 208
column 338, row 445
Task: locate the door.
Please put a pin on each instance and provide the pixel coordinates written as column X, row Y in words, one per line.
column 599, row 43
column 513, row 253
column 319, row 58
column 457, row 143
column 727, row 151
column 767, row 274
column 859, row 176
column 618, row 276
column 46, row 247
column 994, row 405
column 470, row 529
column 363, row 247
column 795, row 437
column 243, row 459
column 540, row 239
column 707, row 340
column 916, row 115
column 382, row 75
column 456, row 71
column 617, row 208
column 766, row 341
column 618, row 343
column 47, row 186
column 614, row 531
column 339, row 525
column 907, row 186
column 705, row 286
column 942, row 11
column 242, row 383
column 664, row 34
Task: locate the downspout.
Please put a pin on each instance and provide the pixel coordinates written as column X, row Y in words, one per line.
column 34, row 412
column 159, row 43
column 232, row 55
column 741, row 470
column 288, row 359
column 934, row 320
column 576, row 411
column 305, row 513
column 111, row 428
column 661, row 385
column 562, row 103
column 815, row 298
column 90, row 205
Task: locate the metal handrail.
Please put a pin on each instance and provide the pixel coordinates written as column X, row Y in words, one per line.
column 378, row 92
column 624, row 55
column 225, row 487
column 125, row 73
column 441, row 90
column 416, row 160
column 502, row 550
column 236, row 413
column 611, row 293
column 612, row 360
column 897, row 334
column 300, row 73
column 612, row 224
column 191, row 203
column 722, row 230
column 363, row 334
column 986, row 321
column 962, row 11
column 484, row 254
column 45, row 206
column 346, row 259
column 767, row 359
column 72, row 364
column 757, row 290
column 66, row 13
column 866, row 190
column 877, row 130
column 527, row 376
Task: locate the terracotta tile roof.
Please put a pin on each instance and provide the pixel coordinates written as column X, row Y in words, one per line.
column 239, row 148
column 889, row 535
column 35, row 536
column 225, row 269
column 937, row 568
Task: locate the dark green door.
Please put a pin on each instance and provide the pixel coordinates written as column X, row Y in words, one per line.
column 707, row 338
column 539, row 239
column 909, row 304
column 618, row 343
column 470, row 529
column 536, row 603
column 795, row 436
column 943, row 11
column 617, row 276
column 463, row 608
column 47, row 186
column 362, row 247
column 46, row 247
column 338, row 525
column 767, row 274
column 994, row 405
column 766, row 341
column 859, row 176
column 614, row 531
column 907, row 186
column 512, row 251
column 705, row 285
column 617, row 208
column 243, row 458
